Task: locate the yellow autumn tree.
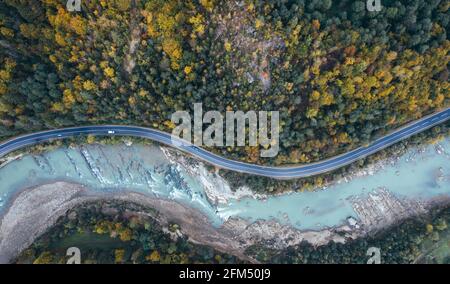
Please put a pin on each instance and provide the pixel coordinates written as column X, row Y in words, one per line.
column 68, row 98
column 119, row 255
column 6, row 74
column 154, row 256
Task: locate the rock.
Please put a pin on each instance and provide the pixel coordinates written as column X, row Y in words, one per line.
column 352, row 222
column 72, row 215
column 137, row 255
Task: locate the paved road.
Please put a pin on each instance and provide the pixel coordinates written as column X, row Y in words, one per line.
column 274, row 172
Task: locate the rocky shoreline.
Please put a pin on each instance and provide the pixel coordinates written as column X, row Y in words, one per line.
column 35, row 210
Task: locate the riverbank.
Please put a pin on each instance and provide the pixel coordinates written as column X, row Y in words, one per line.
column 33, row 211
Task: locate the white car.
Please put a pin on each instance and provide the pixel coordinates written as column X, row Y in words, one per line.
column 111, row 132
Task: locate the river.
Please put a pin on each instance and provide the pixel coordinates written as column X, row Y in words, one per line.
column 419, row 175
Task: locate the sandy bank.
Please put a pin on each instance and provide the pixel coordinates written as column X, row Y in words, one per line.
column 35, row 210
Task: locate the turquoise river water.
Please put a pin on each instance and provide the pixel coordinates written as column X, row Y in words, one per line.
column 420, row 174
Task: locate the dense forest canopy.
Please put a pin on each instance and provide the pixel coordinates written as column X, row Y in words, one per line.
column 338, row 74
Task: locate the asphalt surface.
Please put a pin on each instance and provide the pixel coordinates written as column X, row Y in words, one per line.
column 221, row 162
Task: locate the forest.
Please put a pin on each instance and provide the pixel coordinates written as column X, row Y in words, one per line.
column 339, row 75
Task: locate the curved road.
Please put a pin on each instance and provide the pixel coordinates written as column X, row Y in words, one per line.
column 273, row 172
